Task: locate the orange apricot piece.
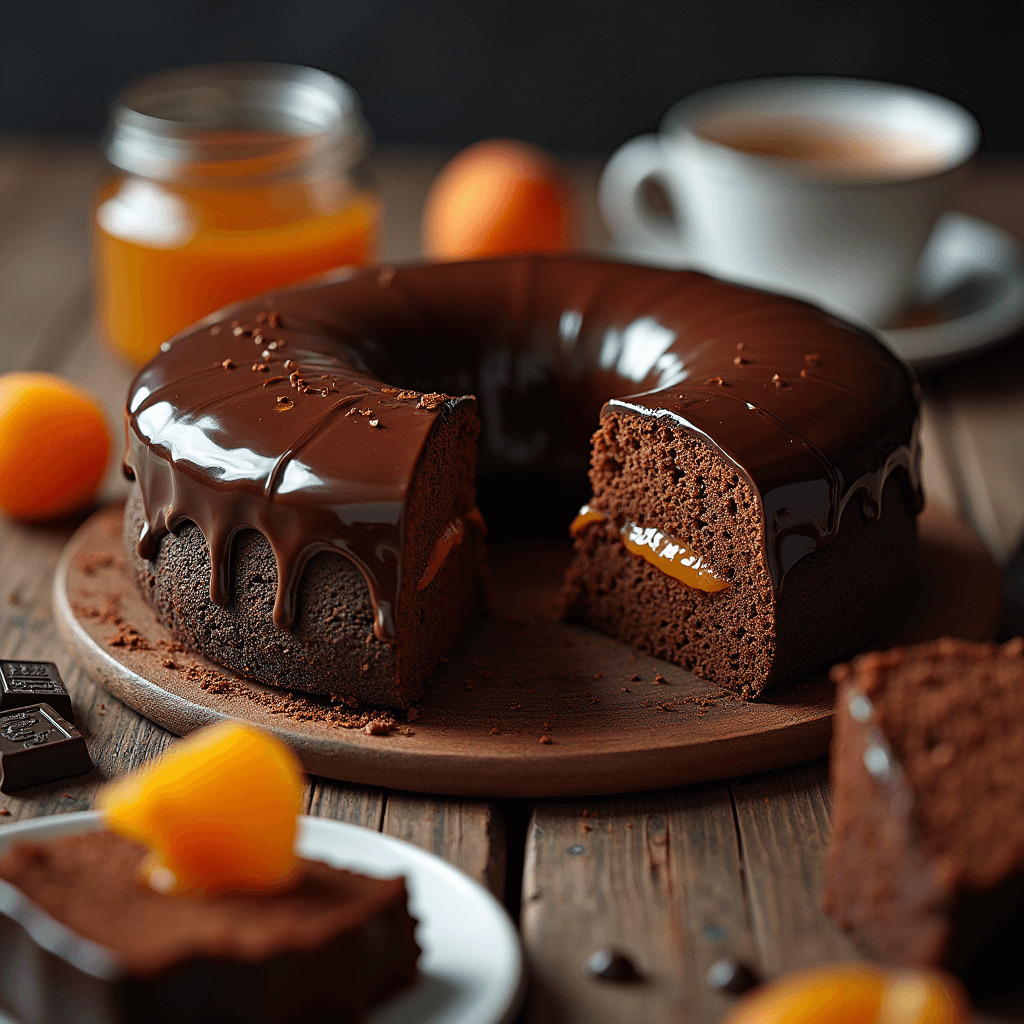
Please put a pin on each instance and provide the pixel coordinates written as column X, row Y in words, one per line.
column 54, row 446
column 923, row 997
column 218, row 811
column 829, row 994
column 499, row 197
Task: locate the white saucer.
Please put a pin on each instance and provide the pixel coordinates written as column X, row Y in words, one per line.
column 968, row 293
column 471, row 971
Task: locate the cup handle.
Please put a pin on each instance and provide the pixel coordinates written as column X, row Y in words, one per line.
column 627, row 216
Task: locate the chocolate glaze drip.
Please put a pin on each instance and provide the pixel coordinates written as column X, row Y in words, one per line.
column 289, row 414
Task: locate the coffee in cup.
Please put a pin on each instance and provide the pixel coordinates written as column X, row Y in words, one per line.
column 824, row 188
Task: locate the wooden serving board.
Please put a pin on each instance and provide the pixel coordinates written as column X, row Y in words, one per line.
column 529, row 706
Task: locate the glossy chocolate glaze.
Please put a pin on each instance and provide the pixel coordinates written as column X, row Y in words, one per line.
column 223, row 431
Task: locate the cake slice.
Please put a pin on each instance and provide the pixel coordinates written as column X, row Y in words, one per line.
column 423, row 552
column 926, row 864
column 671, row 556
column 82, row 937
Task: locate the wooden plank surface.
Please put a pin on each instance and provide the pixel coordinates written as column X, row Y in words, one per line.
column 675, row 879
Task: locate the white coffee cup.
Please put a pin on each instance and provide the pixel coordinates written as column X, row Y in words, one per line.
column 823, row 188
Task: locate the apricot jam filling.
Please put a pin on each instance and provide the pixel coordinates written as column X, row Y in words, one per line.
column 451, row 536
column 669, row 554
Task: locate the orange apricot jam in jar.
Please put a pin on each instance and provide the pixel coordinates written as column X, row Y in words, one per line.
column 230, row 180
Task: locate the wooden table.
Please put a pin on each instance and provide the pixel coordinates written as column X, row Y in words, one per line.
column 676, row 878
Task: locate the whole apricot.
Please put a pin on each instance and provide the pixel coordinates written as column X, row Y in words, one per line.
column 499, row 197
column 829, row 994
column 54, row 446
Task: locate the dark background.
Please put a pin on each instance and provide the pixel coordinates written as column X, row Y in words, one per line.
column 570, row 75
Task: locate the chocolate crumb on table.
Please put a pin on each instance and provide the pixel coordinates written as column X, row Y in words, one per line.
column 611, row 965
column 732, row 976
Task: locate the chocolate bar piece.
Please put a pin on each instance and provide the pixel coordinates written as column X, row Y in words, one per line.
column 34, row 682
column 37, row 745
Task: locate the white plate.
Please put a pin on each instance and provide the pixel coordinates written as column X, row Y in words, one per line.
column 973, row 273
column 471, row 971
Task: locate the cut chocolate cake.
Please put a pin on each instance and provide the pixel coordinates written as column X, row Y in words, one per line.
column 305, row 486
column 926, row 864
column 84, row 939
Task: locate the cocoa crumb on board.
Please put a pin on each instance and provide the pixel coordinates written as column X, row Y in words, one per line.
column 335, row 710
column 109, row 614
column 4, row 813
column 129, row 638
column 89, row 563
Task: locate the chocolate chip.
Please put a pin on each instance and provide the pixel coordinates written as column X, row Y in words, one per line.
column 732, row 976
column 611, row 965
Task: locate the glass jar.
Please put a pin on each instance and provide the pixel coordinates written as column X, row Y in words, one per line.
column 230, row 180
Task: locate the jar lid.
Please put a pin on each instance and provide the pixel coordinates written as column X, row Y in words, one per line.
column 282, row 115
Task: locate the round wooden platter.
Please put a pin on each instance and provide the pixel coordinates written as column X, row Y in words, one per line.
column 529, row 706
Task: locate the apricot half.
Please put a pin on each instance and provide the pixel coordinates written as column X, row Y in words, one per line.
column 499, row 197
column 218, row 811
column 830, row 994
column 855, row 994
column 54, row 446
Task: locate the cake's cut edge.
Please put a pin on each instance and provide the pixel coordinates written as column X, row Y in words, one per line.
column 746, row 636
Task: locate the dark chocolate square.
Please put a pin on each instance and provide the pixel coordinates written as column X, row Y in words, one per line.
column 34, row 682
column 37, row 745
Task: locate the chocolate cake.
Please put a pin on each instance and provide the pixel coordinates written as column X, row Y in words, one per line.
column 926, row 864
column 101, row 946
column 305, row 510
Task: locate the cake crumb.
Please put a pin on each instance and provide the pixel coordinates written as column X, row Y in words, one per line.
column 545, row 740
column 379, row 726
column 228, row 364
column 431, row 401
column 4, row 813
